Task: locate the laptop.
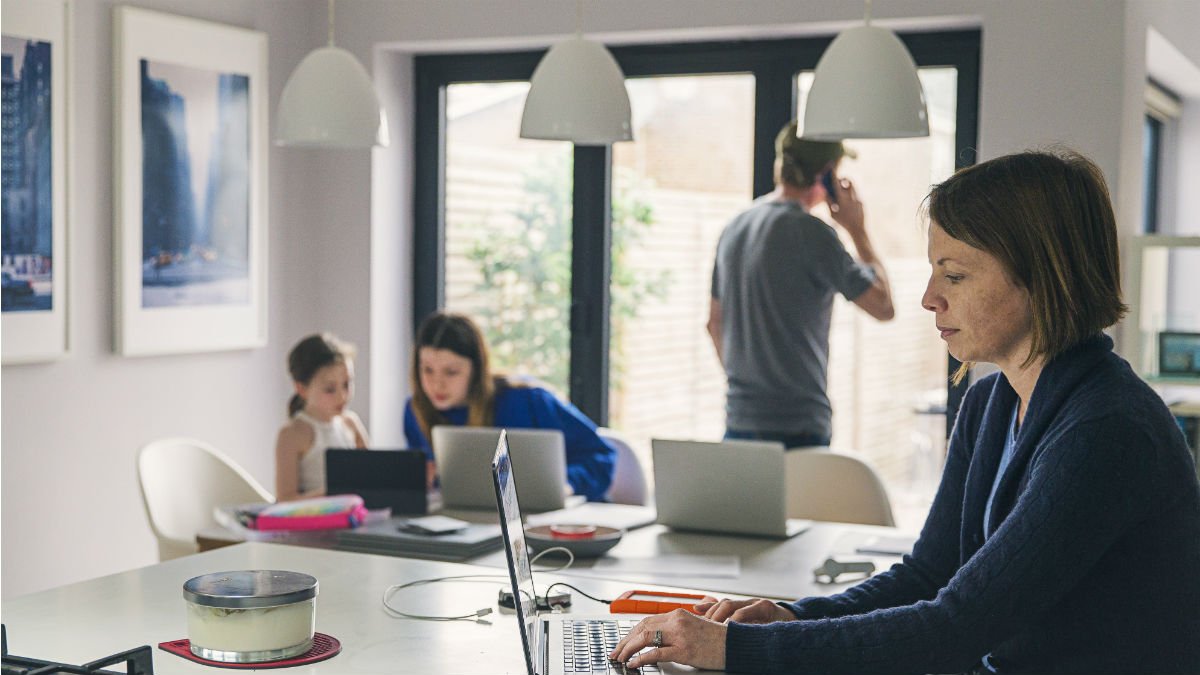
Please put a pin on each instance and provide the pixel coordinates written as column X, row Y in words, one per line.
column 731, row 487
column 392, row 479
column 555, row 644
column 464, row 454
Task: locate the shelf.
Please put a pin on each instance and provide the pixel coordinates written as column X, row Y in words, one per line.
column 1173, row 380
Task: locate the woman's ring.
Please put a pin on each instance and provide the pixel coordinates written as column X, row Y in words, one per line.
column 657, row 639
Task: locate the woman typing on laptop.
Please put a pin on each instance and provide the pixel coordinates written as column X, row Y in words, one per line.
column 453, row 384
column 1065, row 535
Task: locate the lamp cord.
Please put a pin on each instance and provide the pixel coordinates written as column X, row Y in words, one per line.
column 867, row 16
column 578, row 18
column 331, row 22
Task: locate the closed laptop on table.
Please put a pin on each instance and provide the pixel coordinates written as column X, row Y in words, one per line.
column 731, row 487
column 464, row 457
column 392, row 479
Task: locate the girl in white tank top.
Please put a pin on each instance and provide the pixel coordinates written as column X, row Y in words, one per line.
column 322, row 370
column 336, row 433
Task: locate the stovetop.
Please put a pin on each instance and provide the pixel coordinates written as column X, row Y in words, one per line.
column 139, row 661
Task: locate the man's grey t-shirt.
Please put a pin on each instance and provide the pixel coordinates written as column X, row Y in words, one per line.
column 776, row 271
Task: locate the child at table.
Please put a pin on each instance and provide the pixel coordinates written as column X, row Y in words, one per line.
column 322, row 370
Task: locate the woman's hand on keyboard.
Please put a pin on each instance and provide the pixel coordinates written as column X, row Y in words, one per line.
column 686, row 638
column 755, row 610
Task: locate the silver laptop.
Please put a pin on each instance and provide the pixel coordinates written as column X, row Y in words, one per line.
column 732, row 487
column 556, row 644
column 464, row 454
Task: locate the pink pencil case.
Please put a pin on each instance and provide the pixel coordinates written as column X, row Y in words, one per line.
column 316, row 513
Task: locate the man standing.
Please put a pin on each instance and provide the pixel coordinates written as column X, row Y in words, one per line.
column 776, row 271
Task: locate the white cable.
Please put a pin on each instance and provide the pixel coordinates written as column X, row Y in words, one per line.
column 478, row 614
column 570, row 558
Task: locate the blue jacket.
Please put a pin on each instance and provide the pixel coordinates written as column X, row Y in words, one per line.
column 1093, row 564
column 590, row 459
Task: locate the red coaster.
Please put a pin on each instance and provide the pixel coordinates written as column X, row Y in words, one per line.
column 324, row 647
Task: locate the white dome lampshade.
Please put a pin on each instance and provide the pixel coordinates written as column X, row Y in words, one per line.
column 865, row 86
column 577, row 94
column 329, row 101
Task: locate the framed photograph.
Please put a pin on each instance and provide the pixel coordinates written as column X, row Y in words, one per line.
column 1179, row 354
column 191, row 164
column 33, row 263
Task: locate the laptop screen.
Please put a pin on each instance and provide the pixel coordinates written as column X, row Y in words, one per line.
column 515, row 552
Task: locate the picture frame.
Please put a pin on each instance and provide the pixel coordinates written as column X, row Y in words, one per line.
column 190, row 141
column 33, row 319
column 1179, row 354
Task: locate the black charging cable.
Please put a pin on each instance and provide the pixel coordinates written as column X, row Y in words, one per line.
column 566, row 585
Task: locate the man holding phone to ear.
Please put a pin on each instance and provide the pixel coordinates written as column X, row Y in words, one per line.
column 776, row 271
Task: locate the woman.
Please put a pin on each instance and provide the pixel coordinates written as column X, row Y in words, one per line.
column 452, row 384
column 1065, row 535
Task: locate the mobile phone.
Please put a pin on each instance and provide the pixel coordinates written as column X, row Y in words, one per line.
column 828, row 180
column 434, row 525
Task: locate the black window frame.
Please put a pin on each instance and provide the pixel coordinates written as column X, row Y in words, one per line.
column 1152, row 133
column 774, row 64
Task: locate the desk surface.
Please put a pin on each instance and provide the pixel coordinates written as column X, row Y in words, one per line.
column 81, row 622
column 770, row 568
column 93, row 619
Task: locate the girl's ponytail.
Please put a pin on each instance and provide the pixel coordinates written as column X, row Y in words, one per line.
column 295, row 405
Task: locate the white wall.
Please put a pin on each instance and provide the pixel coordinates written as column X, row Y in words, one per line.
column 72, row 428
column 1051, row 72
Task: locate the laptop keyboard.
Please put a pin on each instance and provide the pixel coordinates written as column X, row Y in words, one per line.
column 587, row 644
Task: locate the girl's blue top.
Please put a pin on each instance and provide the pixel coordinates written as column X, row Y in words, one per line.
column 590, row 459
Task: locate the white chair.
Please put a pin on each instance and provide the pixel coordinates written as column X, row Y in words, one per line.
column 629, row 478
column 182, row 480
column 832, row 486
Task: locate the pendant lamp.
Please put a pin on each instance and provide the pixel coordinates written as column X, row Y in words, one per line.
column 577, row 94
column 865, row 86
column 329, row 101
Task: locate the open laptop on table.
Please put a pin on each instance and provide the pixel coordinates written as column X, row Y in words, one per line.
column 463, row 455
column 555, row 644
column 732, row 487
column 392, row 479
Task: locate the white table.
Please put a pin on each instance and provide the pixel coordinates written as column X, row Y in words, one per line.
column 82, row 622
column 89, row 620
column 781, row 569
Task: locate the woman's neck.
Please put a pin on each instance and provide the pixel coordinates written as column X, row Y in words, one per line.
column 1023, row 379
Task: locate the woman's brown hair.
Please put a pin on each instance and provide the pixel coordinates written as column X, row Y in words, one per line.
column 458, row 334
column 1048, row 218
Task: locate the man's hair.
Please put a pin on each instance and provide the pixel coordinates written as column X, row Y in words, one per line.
column 1048, row 218
column 800, row 160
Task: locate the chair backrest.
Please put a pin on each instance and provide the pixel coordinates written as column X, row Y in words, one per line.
column 182, row 480
column 629, row 478
column 832, row 486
